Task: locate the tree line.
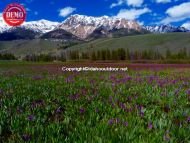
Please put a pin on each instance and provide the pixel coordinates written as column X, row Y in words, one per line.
column 119, row 54
column 7, row 56
column 122, row 54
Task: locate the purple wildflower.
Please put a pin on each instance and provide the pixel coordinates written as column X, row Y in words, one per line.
column 92, row 82
column 125, row 124
column 122, row 105
column 75, row 97
column 129, row 99
column 150, row 126
column 177, row 91
column 188, row 119
column 114, row 121
column 174, row 81
column 59, row 110
column 82, row 110
column 37, row 103
column 38, row 77
column 186, row 84
column 26, row 137
column 69, row 79
column 141, row 112
column 111, row 122
column 126, row 79
column 31, row 117
column 188, row 92
column 151, row 79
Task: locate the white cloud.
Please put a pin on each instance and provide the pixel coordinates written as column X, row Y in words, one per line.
column 134, row 3
column 186, row 25
column 66, row 11
column 119, row 2
column 180, row 10
column 132, row 14
column 163, row 1
column 177, row 13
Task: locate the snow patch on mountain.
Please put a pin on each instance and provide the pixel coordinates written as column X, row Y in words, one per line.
column 3, row 25
column 40, row 26
column 165, row 29
column 186, row 25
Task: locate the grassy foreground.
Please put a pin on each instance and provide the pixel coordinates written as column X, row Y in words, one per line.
column 136, row 106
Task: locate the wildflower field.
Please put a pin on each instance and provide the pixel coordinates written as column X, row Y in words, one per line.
column 147, row 104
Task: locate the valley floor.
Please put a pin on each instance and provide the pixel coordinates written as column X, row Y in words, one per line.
column 41, row 103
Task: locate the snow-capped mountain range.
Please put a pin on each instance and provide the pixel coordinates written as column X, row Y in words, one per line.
column 82, row 26
column 3, row 26
column 41, row 26
column 165, row 29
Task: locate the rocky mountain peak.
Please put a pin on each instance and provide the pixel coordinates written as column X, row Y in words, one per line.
column 165, row 29
column 42, row 26
column 82, row 26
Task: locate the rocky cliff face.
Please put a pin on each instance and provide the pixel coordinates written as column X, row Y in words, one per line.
column 82, row 26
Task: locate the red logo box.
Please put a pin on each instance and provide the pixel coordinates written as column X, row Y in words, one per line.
column 14, row 14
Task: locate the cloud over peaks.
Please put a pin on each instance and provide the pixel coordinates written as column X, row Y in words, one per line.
column 177, row 13
column 132, row 14
column 66, row 11
column 134, row 3
column 163, row 1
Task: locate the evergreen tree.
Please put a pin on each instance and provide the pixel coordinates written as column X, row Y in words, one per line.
column 127, row 54
column 168, row 54
column 121, row 54
column 93, row 56
column 114, row 55
column 108, row 54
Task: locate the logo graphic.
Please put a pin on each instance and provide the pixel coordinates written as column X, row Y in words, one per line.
column 14, row 14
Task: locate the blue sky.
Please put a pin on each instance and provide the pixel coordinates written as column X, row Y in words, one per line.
column 148, row 12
